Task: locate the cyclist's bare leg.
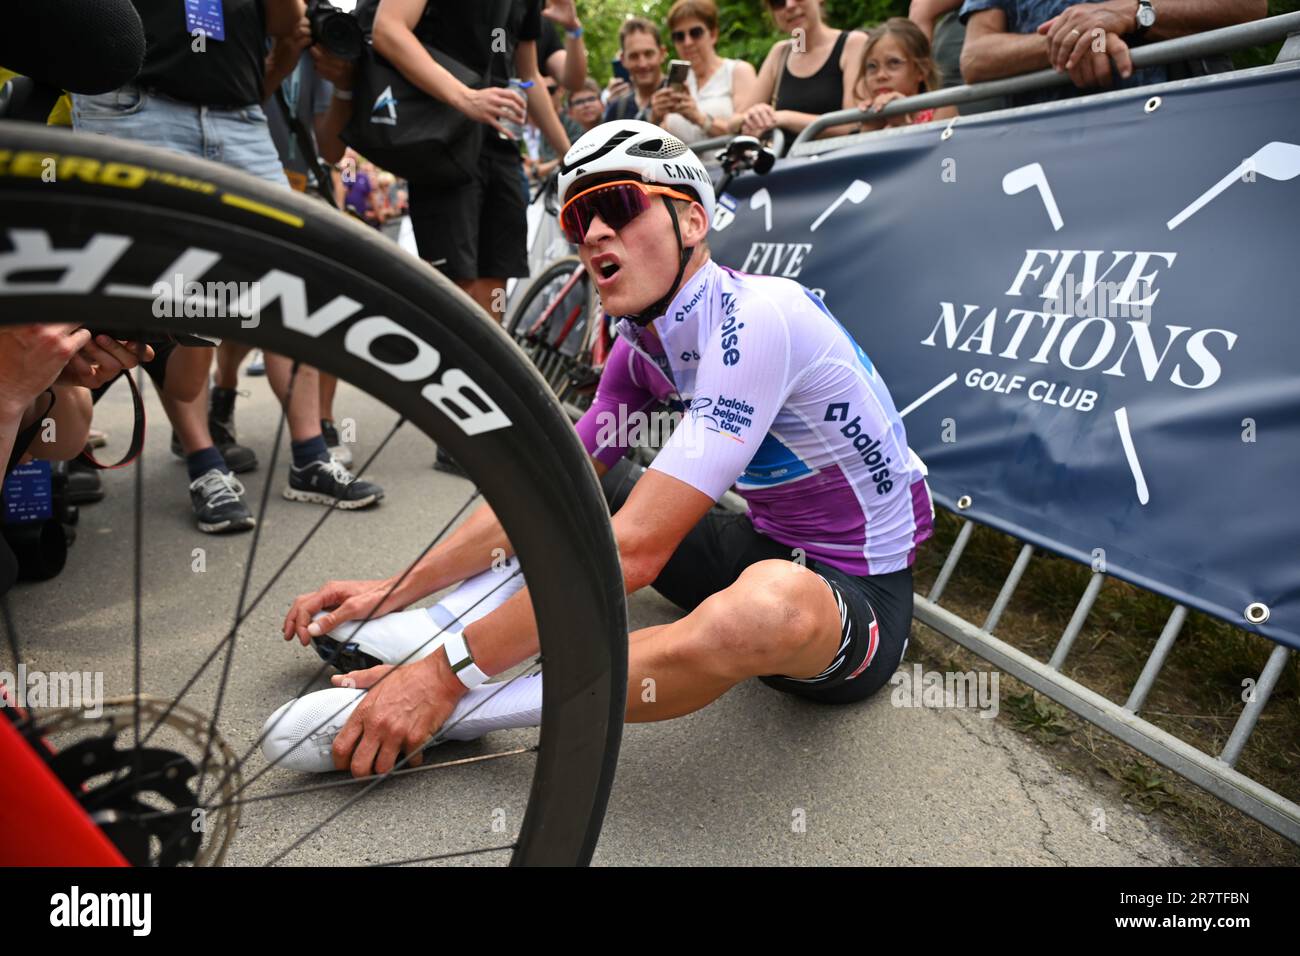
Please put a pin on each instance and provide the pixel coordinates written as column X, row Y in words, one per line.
column 485, row 292
column 778, row 618
column 304, row 408
column 229, row 357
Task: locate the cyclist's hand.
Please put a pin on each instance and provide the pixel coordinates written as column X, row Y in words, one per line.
column 344, row 601
column 32, row 357
column 397, row 716
column 491, row 104
column 102, row 360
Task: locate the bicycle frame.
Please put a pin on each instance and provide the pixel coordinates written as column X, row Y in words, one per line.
column 42, row 824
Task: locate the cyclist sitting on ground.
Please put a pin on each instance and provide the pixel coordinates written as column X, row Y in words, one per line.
column 811, row 591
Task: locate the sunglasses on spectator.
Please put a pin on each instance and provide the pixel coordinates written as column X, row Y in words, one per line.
column 583, row 102
column 616, row 203
column 776, row 4
column 679, row 36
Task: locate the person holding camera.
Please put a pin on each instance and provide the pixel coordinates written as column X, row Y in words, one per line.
column 200, row 92
column 305, row 124
column 46, row 374
column 641, row 52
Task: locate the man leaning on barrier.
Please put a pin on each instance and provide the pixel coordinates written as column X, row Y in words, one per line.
column 1090, row 40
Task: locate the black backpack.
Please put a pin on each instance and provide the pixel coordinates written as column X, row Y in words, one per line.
column 402, row 129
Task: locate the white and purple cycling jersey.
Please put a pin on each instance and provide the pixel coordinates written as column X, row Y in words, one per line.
column 779, row 401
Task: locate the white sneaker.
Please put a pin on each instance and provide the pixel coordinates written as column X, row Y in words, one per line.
column 300, row 735
column 403, row 636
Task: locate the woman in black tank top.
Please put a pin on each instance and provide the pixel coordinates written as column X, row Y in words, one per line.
column 812, row 73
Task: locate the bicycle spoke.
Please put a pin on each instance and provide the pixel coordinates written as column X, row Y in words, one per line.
column 447, row 856
column 320, row 671
column 138, row 623
column 248, row 573
column 343, row 782
column 271, row 583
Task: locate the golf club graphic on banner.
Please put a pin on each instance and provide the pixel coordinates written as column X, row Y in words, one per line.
column 1088, row 316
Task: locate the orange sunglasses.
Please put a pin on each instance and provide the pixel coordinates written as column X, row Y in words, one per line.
column 616, row 203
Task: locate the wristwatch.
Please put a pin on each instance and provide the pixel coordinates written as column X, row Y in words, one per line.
column 462, row 661
column 1146, row 18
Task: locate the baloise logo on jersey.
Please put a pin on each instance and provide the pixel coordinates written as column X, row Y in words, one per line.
column 868, row 448
column 730, row 330
column 728, row 416
column 681, row 314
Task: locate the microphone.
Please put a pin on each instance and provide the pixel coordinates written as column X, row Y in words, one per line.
column 83, row 46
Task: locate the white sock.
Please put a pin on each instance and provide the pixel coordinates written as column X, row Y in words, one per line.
column 480, row 595
column 503, row 706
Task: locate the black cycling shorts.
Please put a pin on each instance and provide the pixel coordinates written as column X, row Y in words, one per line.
column 875, row 610
column 480, row 229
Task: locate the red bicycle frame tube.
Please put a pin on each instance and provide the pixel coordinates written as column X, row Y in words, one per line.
column 536, row 327
column 40, row 822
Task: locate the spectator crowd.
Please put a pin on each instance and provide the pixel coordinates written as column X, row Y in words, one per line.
column 245, row 99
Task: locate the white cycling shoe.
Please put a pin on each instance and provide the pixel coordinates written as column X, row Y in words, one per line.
column 409, row 636
column 403, row 636
column 300, row 735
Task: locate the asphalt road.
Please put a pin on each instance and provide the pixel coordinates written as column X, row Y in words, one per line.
column 755, row 778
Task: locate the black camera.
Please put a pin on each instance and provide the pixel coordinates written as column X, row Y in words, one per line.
column 157, row 338
column 336, row 30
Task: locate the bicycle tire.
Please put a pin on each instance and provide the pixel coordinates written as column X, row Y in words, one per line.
column 129, row 208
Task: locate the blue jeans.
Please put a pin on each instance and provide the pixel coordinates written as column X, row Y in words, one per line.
column 239, row 138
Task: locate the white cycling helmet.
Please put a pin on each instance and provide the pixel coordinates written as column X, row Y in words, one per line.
column 641, row 149
column 645, row 152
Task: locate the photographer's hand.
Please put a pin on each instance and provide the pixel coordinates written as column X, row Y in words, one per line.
column 284, row 55
column 101, row 360
column 32, row 357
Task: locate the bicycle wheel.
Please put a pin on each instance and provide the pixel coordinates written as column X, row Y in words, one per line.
column 555, row 348
column 87, row 224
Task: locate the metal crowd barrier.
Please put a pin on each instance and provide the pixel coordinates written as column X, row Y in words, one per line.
column 1256, row 33
column 1215, row 773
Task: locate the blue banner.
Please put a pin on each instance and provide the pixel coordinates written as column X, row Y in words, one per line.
column 1088, row 315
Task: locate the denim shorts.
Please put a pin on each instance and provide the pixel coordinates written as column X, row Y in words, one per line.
column 239, row 138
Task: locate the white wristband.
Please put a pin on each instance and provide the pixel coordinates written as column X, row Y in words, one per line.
column 342, row 94
column 462, row 662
